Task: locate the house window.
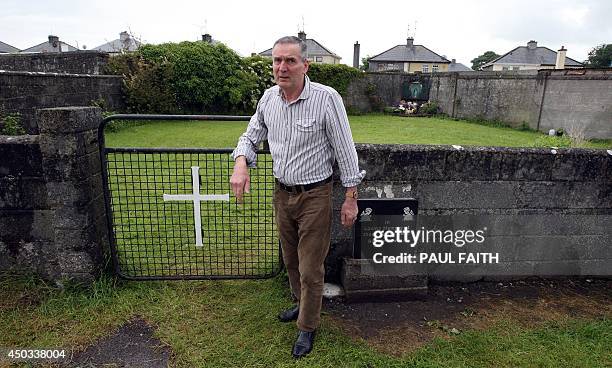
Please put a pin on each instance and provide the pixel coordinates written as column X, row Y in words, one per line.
column 515, row 68
column 434, row 68
column 425, row 68
column 505, row 68
column 319, row 59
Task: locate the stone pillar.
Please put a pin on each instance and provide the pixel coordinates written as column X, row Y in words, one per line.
column 72, row 174
column 25, row 216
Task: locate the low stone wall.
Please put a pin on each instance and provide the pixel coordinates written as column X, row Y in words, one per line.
column 73, row 62
column 24, row 92
column 52, row 217
column 552, row 212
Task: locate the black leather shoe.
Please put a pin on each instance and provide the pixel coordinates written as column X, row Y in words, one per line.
column 303, row 344
column 289, row 314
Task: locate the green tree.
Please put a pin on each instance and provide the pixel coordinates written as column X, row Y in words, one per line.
column 365, row 63
column 483, row 59
column 600, row 57
column 337, row 76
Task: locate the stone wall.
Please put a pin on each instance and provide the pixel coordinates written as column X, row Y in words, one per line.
column 579, row 100
column 72, row 62
column 551, row 211
column 24, row 92
column 52, row 216
column 545, row 99
column 376, row 90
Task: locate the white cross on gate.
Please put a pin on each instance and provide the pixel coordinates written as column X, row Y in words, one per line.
column 196, row 197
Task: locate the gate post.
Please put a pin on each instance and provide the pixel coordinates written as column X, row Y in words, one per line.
column 73, row 180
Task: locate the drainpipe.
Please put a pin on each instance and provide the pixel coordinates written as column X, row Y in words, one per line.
column 546, row 73
column 456, row 75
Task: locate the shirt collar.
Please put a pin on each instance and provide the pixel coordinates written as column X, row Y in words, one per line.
column 305, row 91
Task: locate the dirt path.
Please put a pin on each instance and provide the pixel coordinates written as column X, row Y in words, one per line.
column 132, row 345
column 400, row 327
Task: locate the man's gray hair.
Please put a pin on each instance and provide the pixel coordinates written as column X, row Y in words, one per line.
column 294, row 41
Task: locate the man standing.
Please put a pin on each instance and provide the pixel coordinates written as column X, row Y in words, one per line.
column 307, row 129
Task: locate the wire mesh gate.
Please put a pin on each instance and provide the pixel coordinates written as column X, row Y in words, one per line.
column 171, row 215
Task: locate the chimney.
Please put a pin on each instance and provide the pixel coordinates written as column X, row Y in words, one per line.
column 532, row 45
column 207, row 38
column 356, row 55
column 53, row 40
column 453, row 61
column 302, row 35
column 55, row 43
column 124, row 36
column 409, row 41
column 560, row 64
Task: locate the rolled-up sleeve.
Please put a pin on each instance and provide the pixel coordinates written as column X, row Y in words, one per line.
column 340, row 137
column 255, row 133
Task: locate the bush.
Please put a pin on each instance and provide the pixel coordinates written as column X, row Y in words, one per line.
column 337, row 76
column 10, row 124
column 552, row 141
column 262, row 67
column 429, row 108
column 188, row 77
column 198, row 77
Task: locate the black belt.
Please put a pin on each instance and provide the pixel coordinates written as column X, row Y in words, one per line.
column 301, row 188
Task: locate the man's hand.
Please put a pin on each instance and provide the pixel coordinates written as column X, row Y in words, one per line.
column 240, row 181
column 349, row 211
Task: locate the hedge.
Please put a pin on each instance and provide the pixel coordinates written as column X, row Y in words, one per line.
column 199, row 77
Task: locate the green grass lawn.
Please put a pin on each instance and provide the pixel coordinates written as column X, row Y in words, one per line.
column 233, row 324
column 365, row 128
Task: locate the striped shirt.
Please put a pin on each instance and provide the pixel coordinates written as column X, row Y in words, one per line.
column 305, row 136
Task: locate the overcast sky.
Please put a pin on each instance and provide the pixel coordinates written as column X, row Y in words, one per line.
column 456, row 29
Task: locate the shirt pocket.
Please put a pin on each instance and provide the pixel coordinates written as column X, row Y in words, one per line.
column 307, row 125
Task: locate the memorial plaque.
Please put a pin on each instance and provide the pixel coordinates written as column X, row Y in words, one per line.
column 377, row 215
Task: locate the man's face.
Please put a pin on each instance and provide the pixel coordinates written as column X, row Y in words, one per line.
column 288, row 66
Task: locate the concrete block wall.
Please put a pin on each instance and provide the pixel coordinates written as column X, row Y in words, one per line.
column 579, row 99
column 542, row 99
column 550, row 213
column 52, row 216
column 72, row 62
column 24, row 92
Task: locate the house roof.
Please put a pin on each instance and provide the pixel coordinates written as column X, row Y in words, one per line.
column 458, row 67
column 531, row 55
column 50, row 47
column 410, row 53
column 313, row 47
column 5, row 47
column 124, row 43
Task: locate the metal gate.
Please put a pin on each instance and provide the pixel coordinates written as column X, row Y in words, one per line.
column 171, row 214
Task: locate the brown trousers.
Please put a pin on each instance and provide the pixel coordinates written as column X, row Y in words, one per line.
column 304, row 228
